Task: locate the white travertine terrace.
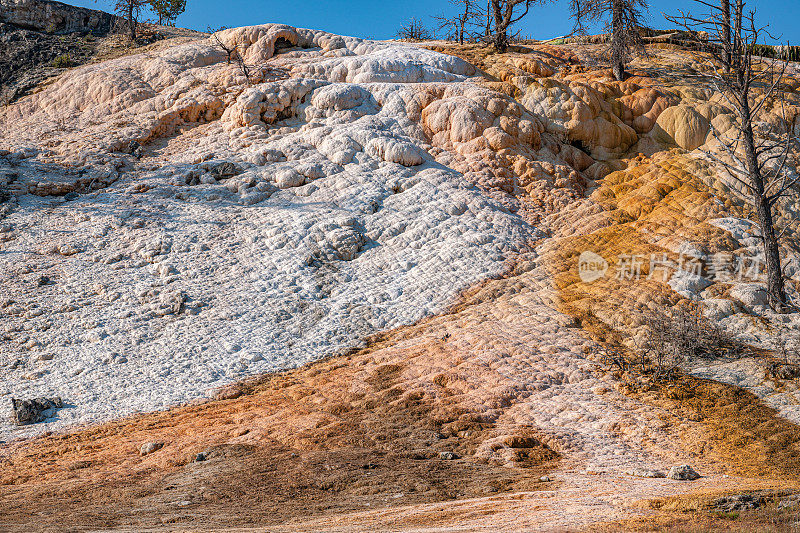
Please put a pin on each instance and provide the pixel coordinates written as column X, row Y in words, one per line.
column 347, row 187
column 268, row 222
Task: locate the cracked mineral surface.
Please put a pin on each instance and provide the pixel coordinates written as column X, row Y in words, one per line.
column 173, row 226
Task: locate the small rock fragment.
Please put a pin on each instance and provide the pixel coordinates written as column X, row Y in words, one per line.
column 683, row 473
column 224, row 170
column 134, row 148
column 150, row 447
column 449, row 456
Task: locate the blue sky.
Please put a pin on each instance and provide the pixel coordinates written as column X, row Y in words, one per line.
column 380, row 20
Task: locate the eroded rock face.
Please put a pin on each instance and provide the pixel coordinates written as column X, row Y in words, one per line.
column 54, row 17
column 220, row 226
column 684, row 126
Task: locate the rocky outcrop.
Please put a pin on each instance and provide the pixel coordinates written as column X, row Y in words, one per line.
column 684, row 126
column 54, row 17
column 344, row 171
column 344, row 137
column 33, row 46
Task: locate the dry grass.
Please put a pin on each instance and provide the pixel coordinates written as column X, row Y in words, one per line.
column 738, row 429
column 697, row 513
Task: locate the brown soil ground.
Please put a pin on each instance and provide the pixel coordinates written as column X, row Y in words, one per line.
column 375, row 448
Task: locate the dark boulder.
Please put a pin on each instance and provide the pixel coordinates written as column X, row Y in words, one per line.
column 35, row 410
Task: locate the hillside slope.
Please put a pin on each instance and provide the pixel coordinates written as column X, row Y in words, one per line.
column 419, row 216
column 41, row 39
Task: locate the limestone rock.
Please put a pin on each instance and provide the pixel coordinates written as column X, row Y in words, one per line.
column 684, row 126
column 582, row 114
column 48, row 16
column 330, row 196
column 750, row 295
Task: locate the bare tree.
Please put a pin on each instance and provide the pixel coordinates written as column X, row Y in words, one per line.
column 505, row 13
column 257, row 72
column 725, row 7
column 623, row 24
column 468, row 18
column 413, row 30
column 759, row 157
column 488, row 18
column 232, row 52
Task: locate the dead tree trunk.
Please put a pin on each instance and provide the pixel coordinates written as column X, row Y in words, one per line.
column 763, row 208
column 617, row 40
column 500, row 36
column 505, row 13
column 623, row 21
column 488, row 18
column 725, row 5
column 469, row 17
column 131, row 21
column 757, row 162
column 129, row 10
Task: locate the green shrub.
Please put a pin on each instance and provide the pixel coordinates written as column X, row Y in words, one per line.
column 62, row 61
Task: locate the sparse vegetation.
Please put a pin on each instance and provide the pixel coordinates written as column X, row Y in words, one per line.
column 786, row 344
column 465, row 24
column 683, row 335
column 62, row 61
column 233, row 55
column 168, row 10
column 623, row 24
column 414, row 30
column 130, row 10
column 697, row 513
column 251, row 72
column 665, row 341
column 783, row 52
column 503, row 15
